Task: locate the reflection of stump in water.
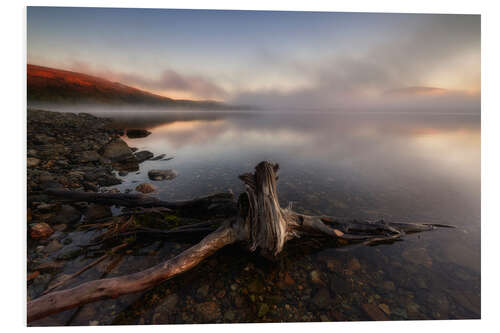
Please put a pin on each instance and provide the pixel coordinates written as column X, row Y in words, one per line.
column 260, row 224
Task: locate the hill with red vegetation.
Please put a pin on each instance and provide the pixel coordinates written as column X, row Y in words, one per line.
column 50, row 85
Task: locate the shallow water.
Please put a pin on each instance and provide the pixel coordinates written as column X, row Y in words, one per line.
column 399, row 167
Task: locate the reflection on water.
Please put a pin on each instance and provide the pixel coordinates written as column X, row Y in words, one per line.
column 400, row 167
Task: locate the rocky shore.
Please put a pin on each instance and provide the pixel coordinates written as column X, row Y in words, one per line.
column 78, row 152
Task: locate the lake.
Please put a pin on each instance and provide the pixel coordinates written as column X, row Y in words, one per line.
column 399, row 167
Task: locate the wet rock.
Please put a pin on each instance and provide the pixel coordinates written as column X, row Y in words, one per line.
column 322, row 298
column 135, row 133
column 50, row 266
column 118, row 151
column 143, row 155
column 32, row 275
column 389, row 286
column 229, row 315
column 256, row 286
column 208, row 311
column 32, row 162
column 145, row 188
column 385, row 308
column 66, row 215
column 288, row 279
column 263, row 310
column 89, row 156
column 374, row 312
column 169, row 304
column 29, row 216
column 203, row 291
column 418, row 256
column 53, row 246
column 41, row 230
column 316, row 277
column 95, row 212
column 162, row 174
column 354, row 265
column 401, row 313
column 158, row 157
column 123, row 173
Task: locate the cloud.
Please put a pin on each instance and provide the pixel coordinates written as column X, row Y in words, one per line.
column 442, row 52
column 169, row 80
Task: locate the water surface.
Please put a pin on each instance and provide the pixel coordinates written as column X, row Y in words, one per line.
column 399, row 167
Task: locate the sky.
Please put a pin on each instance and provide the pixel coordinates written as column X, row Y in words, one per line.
column 274, row 60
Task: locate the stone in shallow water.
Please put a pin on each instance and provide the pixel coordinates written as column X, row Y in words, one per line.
column 134, row 133
column 418, row 256
column 145, row 188
column 209, row 311
column 118, row 151
column 374, row 312
column 322, row 298
column 67, row 214
column 162, row 174
column 95, row 212
column 143, row 155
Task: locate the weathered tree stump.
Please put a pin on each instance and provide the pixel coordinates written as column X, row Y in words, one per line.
column 260, row 224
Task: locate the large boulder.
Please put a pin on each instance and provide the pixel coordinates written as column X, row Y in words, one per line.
column 143, row 155
column 162, row 174
column 118, row 151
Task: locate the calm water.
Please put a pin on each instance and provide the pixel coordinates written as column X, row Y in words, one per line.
column 400, row 167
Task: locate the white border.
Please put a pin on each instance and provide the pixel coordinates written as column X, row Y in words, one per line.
column 13, row 111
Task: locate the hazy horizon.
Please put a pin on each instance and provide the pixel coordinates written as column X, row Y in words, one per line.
column 271, row 60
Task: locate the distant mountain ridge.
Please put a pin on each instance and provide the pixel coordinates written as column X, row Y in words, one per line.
column 50, row 85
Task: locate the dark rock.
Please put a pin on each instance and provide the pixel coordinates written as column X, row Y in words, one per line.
column 169, row 304
column 67, row 214
column 145, row 188
column 135, row 133
column 95, row 212
column 158, row 157
column 89, row 156
column 143, row 155
column 41, row 230
column 374, row 312
column 32, row 162
column 118, row 151
column 162, row 174
column 209, row 311
column 322, row 298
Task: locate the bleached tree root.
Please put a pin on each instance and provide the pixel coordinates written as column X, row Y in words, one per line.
column 260, row 224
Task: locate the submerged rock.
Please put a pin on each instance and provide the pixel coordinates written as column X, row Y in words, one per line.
column 374, row 312
column 162, row 174
column 209, row 311
column 322, row 298
column 95, row 212
column 158, row 157
column 145, row 188
column 67, row 214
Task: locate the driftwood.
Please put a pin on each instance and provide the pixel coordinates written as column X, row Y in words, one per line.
column 260, row 224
